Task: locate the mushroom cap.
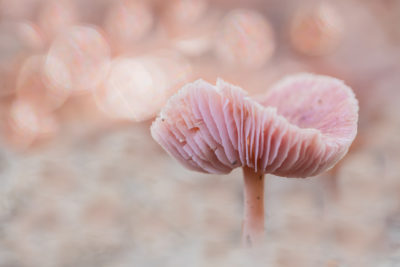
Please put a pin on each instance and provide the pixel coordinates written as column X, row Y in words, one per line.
column 300, row 128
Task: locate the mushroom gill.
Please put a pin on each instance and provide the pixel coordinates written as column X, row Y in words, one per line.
column 301, row 127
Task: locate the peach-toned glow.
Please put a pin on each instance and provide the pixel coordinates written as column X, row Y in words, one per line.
column 194, row 45
column 128, row 21
column 56, row 16
column 186, row 11
column 133, row 90
column 180, row 15
column 31, row 35
column 15, row 45
column 317, row 30
column 31, row 86
column 136, row 88
column 176, row 67
column 24, row 117
column 200, row 38
column 77, row 60
column 28, row 123
column 17, row 9
column 244, row 39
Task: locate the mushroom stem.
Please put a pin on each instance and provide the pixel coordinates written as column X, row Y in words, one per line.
column 253, row 222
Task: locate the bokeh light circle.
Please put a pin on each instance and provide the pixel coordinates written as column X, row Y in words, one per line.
column 244, row 39
column 78, row 60
column 317, row 30
column 127, row 22
column 137, row 87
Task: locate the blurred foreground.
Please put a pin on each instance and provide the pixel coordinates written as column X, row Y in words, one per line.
column 82, row 183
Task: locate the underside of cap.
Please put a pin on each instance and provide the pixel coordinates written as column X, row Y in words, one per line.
column 302, row 127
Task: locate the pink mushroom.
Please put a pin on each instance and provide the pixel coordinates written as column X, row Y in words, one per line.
column 302, row 127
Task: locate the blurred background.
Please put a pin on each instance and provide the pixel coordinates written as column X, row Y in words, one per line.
column 82, row 183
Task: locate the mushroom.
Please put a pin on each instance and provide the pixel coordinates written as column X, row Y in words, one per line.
column 300, row 128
